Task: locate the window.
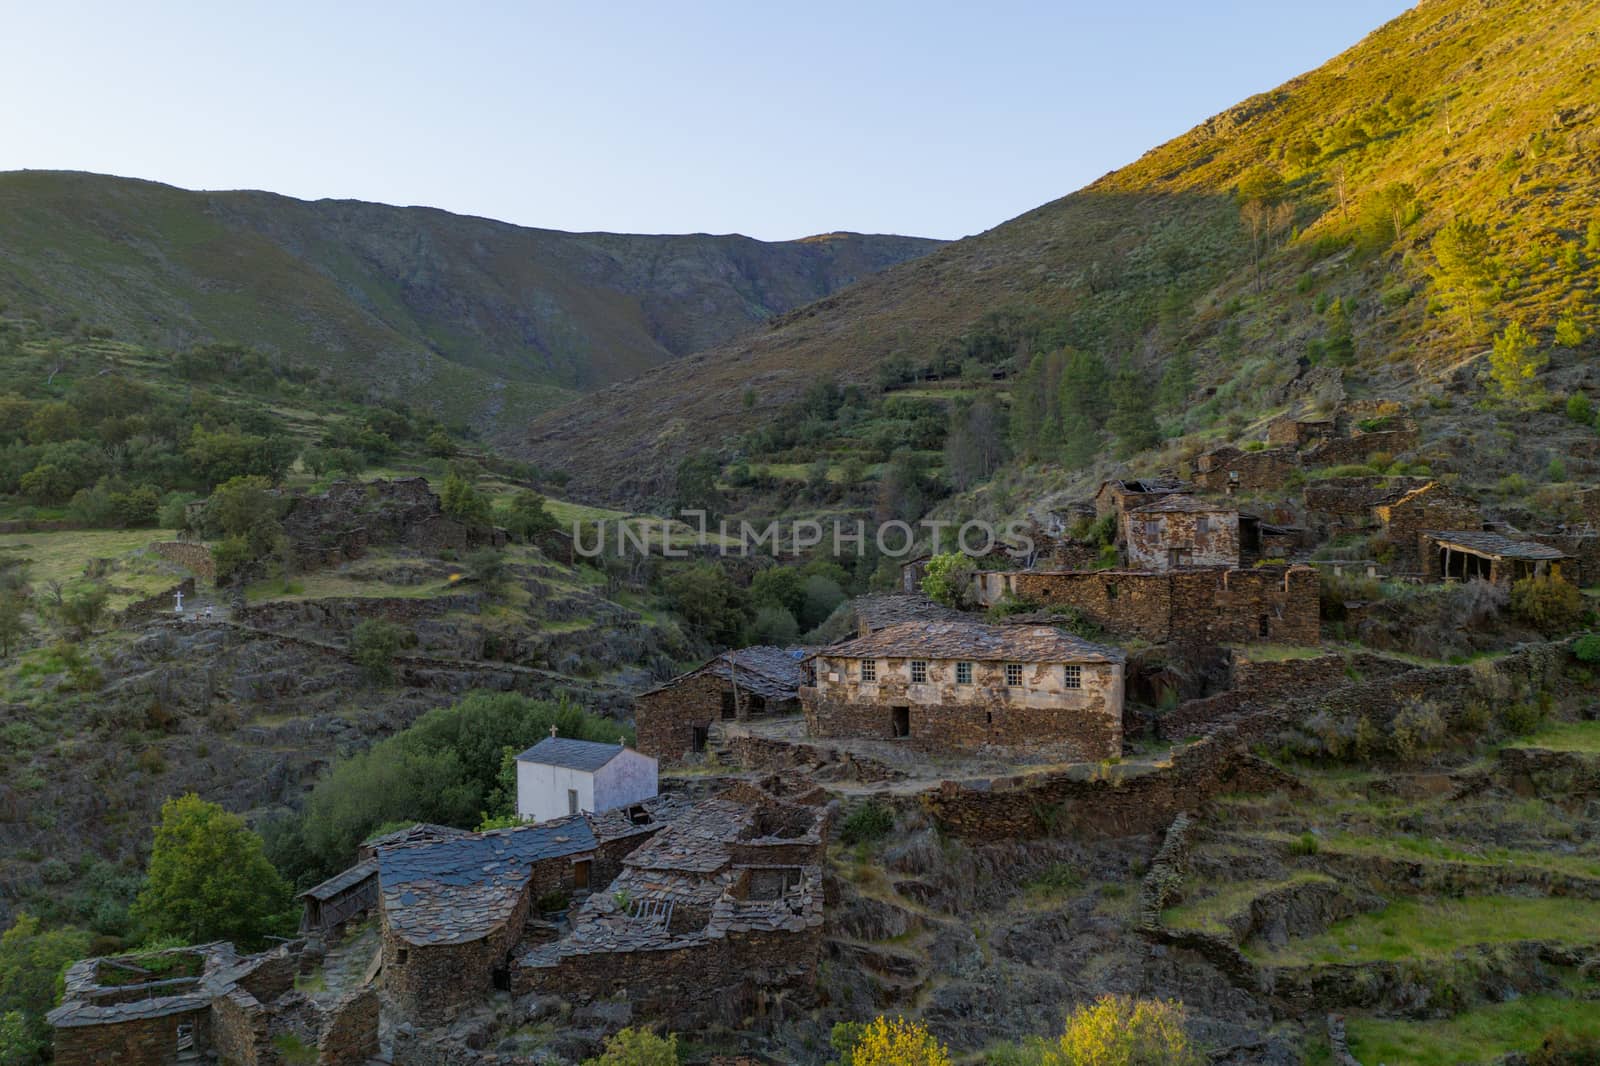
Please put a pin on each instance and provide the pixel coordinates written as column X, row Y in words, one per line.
column 1111, row 592
column 400, row 957
column 869, row 669
column 572, row 801
column 963, row 673
column 730, row 708
column 919, row 671
column 1014, row 675
column 1073, row 674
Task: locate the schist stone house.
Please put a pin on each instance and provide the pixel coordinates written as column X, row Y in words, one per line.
column 674, row 719
column 1229, row 470
column 558, row 777
column 965, row 686
column 1117, row 497
column 1181, row 531
column 1407, row 514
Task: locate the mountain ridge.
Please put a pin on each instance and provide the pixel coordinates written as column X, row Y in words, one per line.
column 1454, row 108
column 470, row 313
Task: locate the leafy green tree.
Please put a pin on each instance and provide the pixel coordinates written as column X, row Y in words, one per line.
column 47, row 483
column 778, row 586
column 32, row 961
column 1464, row 268
column 374, row 643
column 1132, row 421
column 1514, row 365
column 209, row 879
column 774, row 625
column 53, row 422
column 708, row 601
column 637, row 1047
column 947, row 579
column 1385, row 215
column 822, row 595
column 246, row 507
column 526, row 516
column 975, row 445
column 904, row 492
column 439, row 445
column 460, row 499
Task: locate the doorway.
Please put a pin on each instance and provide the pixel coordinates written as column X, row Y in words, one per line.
column 697, row 742
column 580, row 875
column 900, row 721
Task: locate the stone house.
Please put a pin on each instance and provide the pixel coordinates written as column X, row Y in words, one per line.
column 558, row 777
column 673, row 721
column 1405, row 515
column 1181, row 531
column 208, row 1001
column 948, row 686
column 1462, row 555
column 1206, row 606
column 1298, row 432
column 454, row 908
column 1340, row 505
column 1230, row 470
column 1117, row 496
column 716, row 919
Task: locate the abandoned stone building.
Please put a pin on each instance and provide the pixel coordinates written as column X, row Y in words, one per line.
column 1395, row 436
column 560, row 776
column 1297, row 432
column 341, row 524
column 1181, row 531
column 1341, row 505
column 673, row 720
column 1118, row 496
column 202, row 1002
column 452, row 909
column 1463, row 555
column 1213, row 605
column 711, row 921
column 1406, row 514
column 1229, row 470
column 954, row 686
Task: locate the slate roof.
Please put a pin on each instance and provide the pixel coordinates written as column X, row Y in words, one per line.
column 1146, row 485
column 1486, row 543
column 461, row 889
column 770, row 672
column 342, row 881
column 883, row 609
column 976, row 641
column 422, row 832
column 586, row 755
column 1185, row 504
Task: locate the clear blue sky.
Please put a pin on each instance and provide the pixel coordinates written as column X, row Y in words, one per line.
column 778, row 121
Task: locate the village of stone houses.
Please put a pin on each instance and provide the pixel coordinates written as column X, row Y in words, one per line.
column 1160, row 628
column 1192, row 748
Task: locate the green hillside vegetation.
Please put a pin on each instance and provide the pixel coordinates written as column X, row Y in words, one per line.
column 491, row 322
column 1391, row 214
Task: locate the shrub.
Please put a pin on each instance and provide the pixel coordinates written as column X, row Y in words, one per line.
column 1549, row 604
column 1416, row 728
column 1587, row 648
column 637, row 1047
column 1304, row 844
column 1562, row 1048
column 868, row 822
column 373, row 644
column 1579, row 408
column 892, row 1043
column 1520, row 717
column 1122, row 1031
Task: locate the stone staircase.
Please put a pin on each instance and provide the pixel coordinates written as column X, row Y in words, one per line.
column 717, row 740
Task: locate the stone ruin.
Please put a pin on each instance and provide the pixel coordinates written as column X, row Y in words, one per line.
column 185, row 1004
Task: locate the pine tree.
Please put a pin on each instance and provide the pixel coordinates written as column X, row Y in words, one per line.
column 1177, row 382
column 1515, row 365
column 1465, row 272
column 1133, row 420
